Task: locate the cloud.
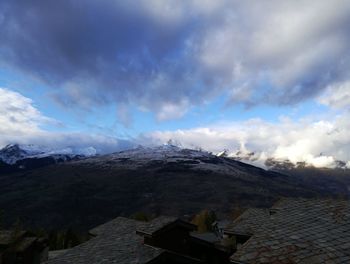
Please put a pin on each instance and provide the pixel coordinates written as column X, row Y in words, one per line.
column 172, row 111
column 167, row 55
column 18, row 115
column 317, row 142
column 21, row 122
column 337, row 96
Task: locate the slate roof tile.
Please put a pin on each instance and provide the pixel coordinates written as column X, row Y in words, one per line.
column 116, row 242
column 300, row 231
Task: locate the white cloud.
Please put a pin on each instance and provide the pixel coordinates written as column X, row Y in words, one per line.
column 172, row 110
column 18, row 115
column 299, row 47
column 337, row 96
column 159, row 54
column 319, row 143
column 21, row 122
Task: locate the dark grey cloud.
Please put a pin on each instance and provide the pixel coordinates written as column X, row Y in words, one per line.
column 96, row 52
column 165, row 56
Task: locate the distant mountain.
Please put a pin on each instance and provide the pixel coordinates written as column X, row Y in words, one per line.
column 15, row 157
column 272, row 163
column 159, row 180
column 12, row 153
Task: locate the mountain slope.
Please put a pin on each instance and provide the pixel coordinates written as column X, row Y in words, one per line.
column 162, row 180
column 16, row 157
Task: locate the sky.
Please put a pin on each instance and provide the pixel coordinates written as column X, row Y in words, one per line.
column 267, row 76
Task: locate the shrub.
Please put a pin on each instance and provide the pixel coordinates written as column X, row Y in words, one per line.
column 204, row 221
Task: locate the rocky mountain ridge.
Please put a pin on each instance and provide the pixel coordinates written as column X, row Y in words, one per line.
column 158, row 180
column 272, row 163
column 15, row 157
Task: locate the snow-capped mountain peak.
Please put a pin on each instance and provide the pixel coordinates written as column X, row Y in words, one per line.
column 263, row 160
column 12, row 153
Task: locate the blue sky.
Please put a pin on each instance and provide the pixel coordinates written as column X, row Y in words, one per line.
column 105, row 120
column 113, row 74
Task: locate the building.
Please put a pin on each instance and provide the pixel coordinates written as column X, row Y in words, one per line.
column 20, row 247
column 165, row 240
column 293, row 231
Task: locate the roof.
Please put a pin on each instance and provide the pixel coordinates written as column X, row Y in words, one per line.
column 55, row 253
column 116, row 242
column 162, row 223
column 114, row 226
column 207, row 237
column 301, row 231
column 156, row 224
column 249, row 221
column 142, row 227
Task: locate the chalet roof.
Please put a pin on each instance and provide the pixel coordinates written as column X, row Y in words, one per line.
column 249, row 221
column 162, row 223
column 55, row 253
column 301, row 231
column 156, row 224
column 116, row 242
column 142, row 227
column 207, row 237
column 114, row 226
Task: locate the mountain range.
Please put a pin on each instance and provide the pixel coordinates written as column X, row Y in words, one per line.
column 81, row 191
column 15, row 157
column 273, row 163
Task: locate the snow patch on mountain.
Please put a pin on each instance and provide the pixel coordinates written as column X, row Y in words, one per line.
column 164, row 156
column 12, row 153
column 261, row 159
column 162, row 152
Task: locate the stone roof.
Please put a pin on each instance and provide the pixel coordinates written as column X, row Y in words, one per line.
column 142, row 227
column 156, row 225
column 114, row 226
column 116, row 242
column 301, row 231
column 55, row 253
column 249, row 221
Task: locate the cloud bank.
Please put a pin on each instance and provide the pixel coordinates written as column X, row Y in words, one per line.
column 317, row 142
column 167, row 56
column 320, row 142
column 21, row 122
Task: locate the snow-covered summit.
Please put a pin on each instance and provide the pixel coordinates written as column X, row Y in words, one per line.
column 12, row 153
column 163, row 156
column 159, row 152
column 266, row 161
